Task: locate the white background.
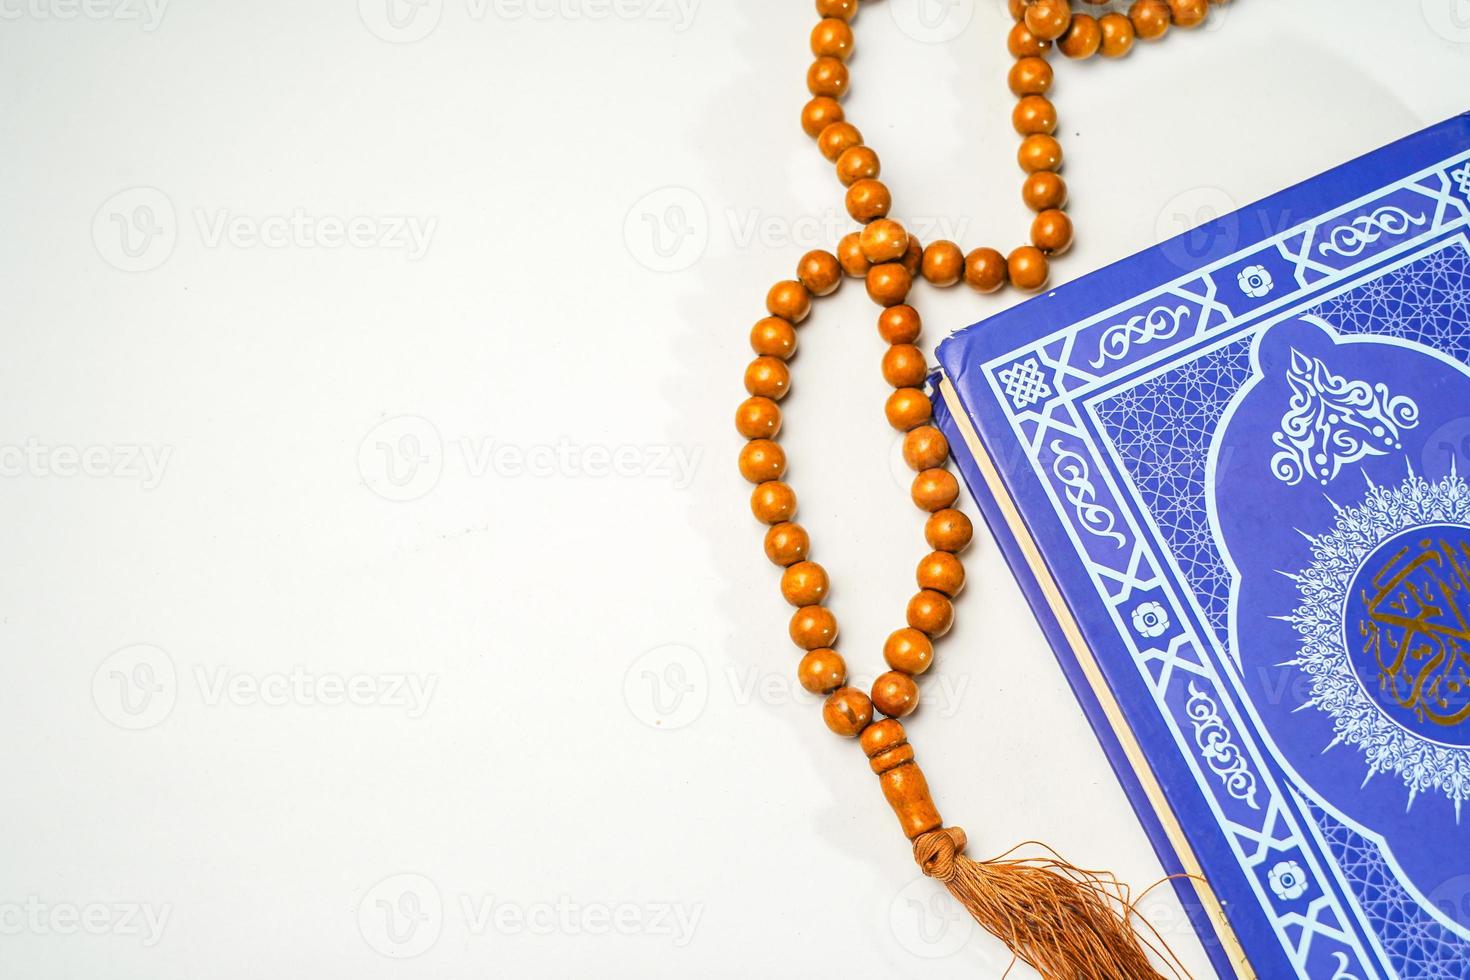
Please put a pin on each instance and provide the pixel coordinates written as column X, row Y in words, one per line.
column 317, row 465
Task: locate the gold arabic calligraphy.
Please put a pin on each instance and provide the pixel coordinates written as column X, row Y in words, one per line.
column 1417, row 629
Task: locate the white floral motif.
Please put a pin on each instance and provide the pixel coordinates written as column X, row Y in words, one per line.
column 1255, row 281
column 1287, row 880
column 1357, row 721
column 1025, row 383
column 1332, row 422
column 1350, row 239
column 1150, row 619
column 1159, row 323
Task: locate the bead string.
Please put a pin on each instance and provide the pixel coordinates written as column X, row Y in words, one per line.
column 888, row 258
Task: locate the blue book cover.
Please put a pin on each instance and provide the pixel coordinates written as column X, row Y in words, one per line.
column 1230, row 473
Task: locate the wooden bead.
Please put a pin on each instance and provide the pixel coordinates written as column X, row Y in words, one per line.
column 847, row 711
column 768, row 377
column 1030, row 76
column 821, row 671
column 1039, row 152
column 820, row 272
column 773, row 337
column 1034, row 114
column 892, row 759
column 985, row 270
column 942, row 572
column 789, row 300
column 1018, row 8
column 899, row 324
column 761, row 460
column 773, row 502
column 895, row 694
column 908, row 650
column 948, row 530
column 804, row 584
column 841, row 9
column 832, row 38
column 1028, row 268
column 904, row 366
column 867, row 200
column 836, row 138
column 813, row 627
column 827, row 76
column 850, row 256
column 1051, row 231
column 907, row 408
column 913, row 256
column 1048, row 19
column 1117, row 35
column 1044, row 190
column 787, row 543
column 1150, row 19
column 758, row 418
column 857, row 163
column 943, row 263
column 931, row 612
column 935, row 489
column 1188, row 13
column 1083, row 38
column 1021, row 43
column 819, row 113
column 924, row 448
column 883, row 241
column 889, row 283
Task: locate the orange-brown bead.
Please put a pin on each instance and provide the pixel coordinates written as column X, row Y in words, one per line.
column 836, row 138
column 847, row 711
column 787, row 544
column 883, row 240
column 1117, row 35
column 773, row 502
column 1044, row 190
column 943, row 263
column 895, row 694
column 985, row 270
column 1188, row 13
column 1039, row 152
column 773, row 337
column 857, row 163
column 820, row 272
column 907, row 408
column 948, row 530
column 1023, row 44
column 768, row 377
column 925, row 448
column 827, row 76
column 1083, row 38
column 758, row 418
column 889, row 283
column 913, row 256
column 1028, row 268
column 812, row 627
column 762, row 460
column 1034, row 114
column 1030, row 76
column 868, row 200
column 904, row 366
column 931, row 612
column 841, row 9
column 821, row 671
column 934, row 489
column 850, row 256
column 1051, row 231
column 804, row 584
column 832, row 38
column 942, row 572
column 789, row 300
column 908, row 650
column 1048, row 19
column 1150, row 19
column 899, row 324
column 819, row 113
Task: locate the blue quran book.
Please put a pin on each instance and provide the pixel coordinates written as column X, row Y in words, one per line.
column 1230, row 473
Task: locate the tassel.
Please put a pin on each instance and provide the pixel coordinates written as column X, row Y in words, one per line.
column 1066, row 923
